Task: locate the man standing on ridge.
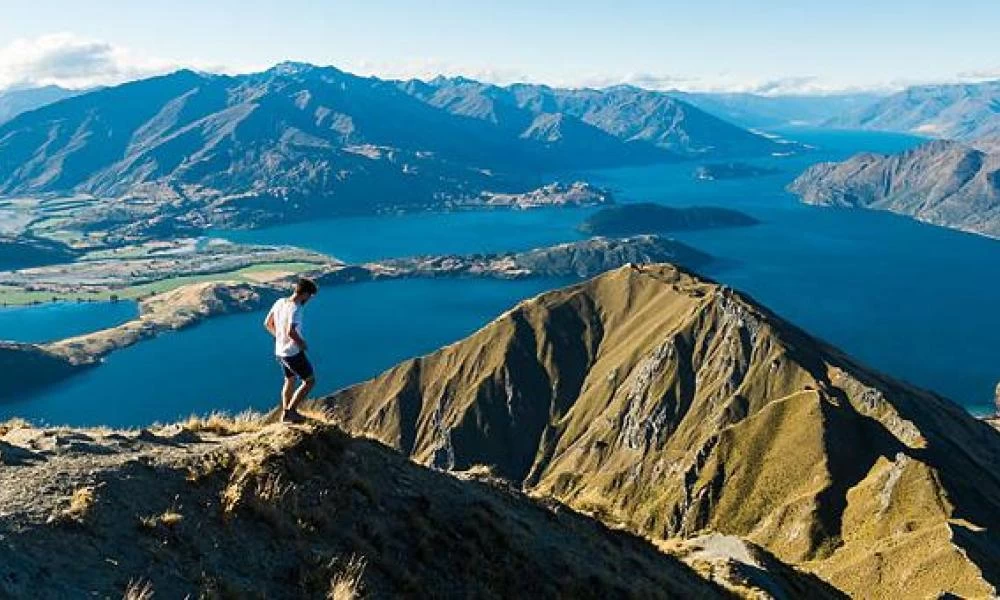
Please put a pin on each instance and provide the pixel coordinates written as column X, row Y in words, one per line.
column 284, row 322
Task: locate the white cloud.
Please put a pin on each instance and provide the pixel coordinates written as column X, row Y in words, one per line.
column 73, row 61
column 980, row 75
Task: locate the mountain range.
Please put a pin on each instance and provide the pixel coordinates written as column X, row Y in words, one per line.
column 16, row 101
column 672, row 406
column 761, row 111
column 941, row 182
column 959, row 111
column 301, row 140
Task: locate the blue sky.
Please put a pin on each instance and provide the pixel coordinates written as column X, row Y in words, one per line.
column 770, row 45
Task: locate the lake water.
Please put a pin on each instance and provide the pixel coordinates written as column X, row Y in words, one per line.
column 57, row 320
column 226, row 363
column 915, row 301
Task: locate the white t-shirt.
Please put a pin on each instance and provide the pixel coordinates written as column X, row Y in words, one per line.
column 285, row 313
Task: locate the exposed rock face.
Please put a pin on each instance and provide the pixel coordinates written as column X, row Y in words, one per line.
column 944, row 183
column 277, row 512
column 645, row 217
column 963, row 111
column 678, row 407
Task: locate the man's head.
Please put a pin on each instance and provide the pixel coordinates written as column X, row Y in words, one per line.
column 304, row 290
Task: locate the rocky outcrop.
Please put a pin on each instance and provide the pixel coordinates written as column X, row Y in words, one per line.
column 943, row 183
column 677, row 407
column 224, row 508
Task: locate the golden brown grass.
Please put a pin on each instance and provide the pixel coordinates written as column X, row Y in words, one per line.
column 221, row 423
column 80, row 505
column 347, row 584
column 169, row 518
column 138, row 589
column 13, row 425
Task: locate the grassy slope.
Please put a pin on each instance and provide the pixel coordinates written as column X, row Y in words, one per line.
column 673, row 406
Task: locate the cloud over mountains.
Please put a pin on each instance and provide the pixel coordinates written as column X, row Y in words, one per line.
column 73, row 61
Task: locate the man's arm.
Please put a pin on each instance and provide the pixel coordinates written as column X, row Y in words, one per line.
column 269, row 323
column 293, row 333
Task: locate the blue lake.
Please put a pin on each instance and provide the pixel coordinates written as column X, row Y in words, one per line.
column 915, row 301
column 226, row 363
column 57, row 320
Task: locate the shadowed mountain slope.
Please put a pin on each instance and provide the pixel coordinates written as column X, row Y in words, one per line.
column 26, row 367
column 676, row 407
column 220, row 509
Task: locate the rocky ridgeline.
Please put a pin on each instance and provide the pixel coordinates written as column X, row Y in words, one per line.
column 672, row 406
column 222, row 507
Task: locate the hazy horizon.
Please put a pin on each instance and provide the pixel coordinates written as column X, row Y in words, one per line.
column 784, row 48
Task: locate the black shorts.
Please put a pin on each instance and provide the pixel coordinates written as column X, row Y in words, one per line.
column 296, row 366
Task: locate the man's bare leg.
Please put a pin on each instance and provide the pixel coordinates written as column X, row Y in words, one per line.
column 300, row 394
column 287, row 391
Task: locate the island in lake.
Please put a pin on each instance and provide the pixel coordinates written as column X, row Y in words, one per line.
column 644, row 217
column 732, row 170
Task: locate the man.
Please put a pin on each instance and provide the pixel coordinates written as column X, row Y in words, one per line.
column 284, row 322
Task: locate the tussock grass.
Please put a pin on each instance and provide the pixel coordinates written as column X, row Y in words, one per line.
column 80, row 505
column 138, row 589
column 170, row 518
column 13, row 425
column 347, row 583
column 221, row 423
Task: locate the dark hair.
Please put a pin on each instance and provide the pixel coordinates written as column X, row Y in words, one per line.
column 305, row 286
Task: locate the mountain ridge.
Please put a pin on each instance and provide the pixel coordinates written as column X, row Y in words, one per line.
column 941, row 182
column 953, row 111
column 672, row 405
column 185, row 151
